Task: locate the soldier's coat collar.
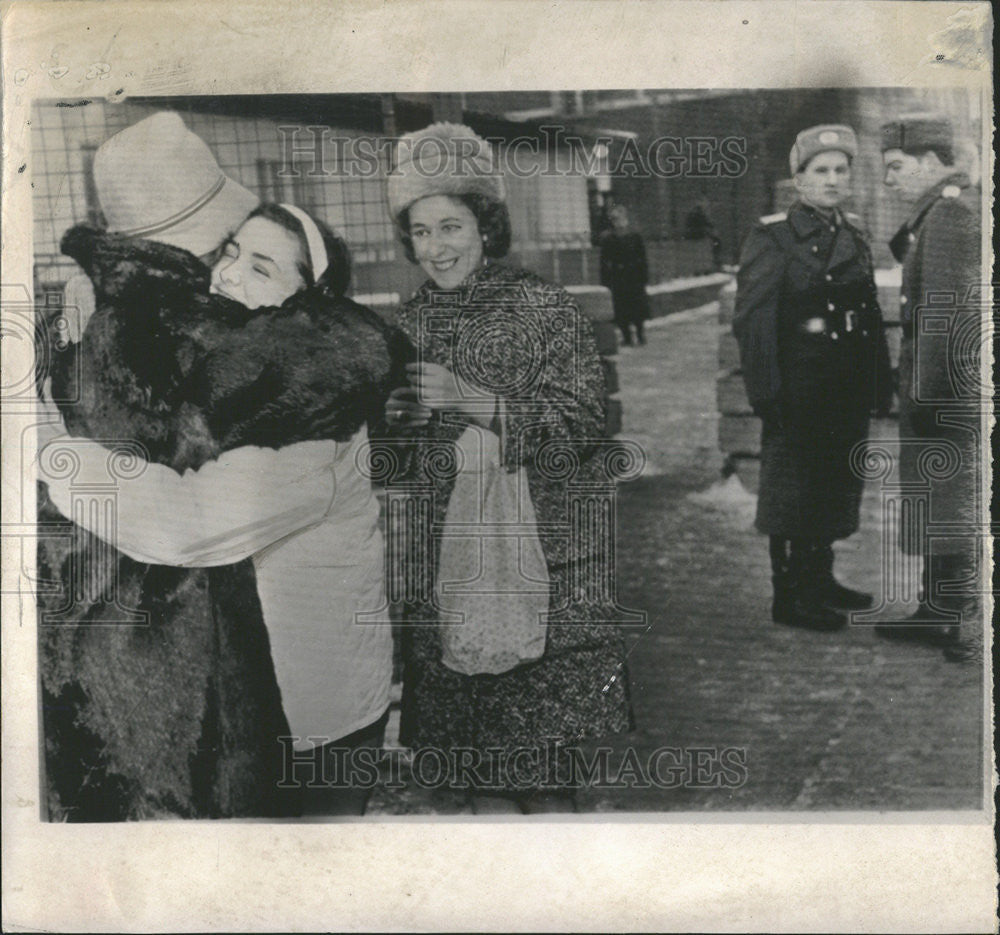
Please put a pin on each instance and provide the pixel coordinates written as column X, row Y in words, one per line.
column 904, row 236
column 957, row 180
column 846, row 245
column 806, row 221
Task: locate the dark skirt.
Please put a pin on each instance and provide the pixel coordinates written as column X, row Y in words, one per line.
column 517, row 725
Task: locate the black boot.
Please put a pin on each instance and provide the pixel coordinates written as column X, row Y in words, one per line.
column 964, row 641
column 927, row 624
column 834, row 593
column 963, row 649
column 797, row 602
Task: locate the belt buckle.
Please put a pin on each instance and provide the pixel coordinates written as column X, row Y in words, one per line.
column 850, row 320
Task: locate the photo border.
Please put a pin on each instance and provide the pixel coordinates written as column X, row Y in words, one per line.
column 764, row 871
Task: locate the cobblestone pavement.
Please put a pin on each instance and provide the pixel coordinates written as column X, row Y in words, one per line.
column 812, row 721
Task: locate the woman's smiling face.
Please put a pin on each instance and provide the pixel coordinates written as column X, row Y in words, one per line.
column 259, row 265
column 446, row 239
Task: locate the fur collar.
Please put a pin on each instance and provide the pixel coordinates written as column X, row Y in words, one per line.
column 191, row 374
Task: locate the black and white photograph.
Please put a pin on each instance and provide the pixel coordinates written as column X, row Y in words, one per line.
column 470, row 460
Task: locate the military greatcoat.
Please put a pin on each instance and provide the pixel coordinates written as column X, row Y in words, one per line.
column 940, row 388
column 815, row 365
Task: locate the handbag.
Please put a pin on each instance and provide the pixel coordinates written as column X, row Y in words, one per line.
column 492, row 586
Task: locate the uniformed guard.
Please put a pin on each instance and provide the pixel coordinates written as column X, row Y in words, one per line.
column 815, row 365
column 939, row 388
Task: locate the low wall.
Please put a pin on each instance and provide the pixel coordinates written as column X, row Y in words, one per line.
column 665, row 298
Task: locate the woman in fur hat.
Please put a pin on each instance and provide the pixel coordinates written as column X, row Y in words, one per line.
column 183, row 713
column 505, row 352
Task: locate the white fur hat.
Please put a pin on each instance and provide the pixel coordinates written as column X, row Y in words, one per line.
column 443, row 159
column 158, row 180
column 820, row 139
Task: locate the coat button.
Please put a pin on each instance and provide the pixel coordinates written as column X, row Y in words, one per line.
column 829, row 278
column 902, row 300
column 834, row 335
column 815, row 249
column 830, row 307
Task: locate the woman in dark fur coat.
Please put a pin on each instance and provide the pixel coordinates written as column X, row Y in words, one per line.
column 160, row 694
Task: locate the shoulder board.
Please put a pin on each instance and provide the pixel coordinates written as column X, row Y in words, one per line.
column 774, row 218
column 856, row 221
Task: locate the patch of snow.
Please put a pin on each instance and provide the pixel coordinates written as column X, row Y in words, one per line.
column 688, row 315
column 728, row 496
column 687, row 282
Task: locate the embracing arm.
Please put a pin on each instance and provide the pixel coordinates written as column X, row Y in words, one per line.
column 314, row 368
column 134, row 270
column 221, row 513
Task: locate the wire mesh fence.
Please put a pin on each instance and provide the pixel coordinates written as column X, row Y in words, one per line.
column 672, row 157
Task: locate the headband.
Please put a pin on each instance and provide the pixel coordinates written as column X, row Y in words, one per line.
column 318, row 259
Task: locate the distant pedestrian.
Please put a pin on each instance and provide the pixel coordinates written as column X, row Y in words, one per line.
column 810, row 334
column 939, row 247
column 698, row 226
column 625, row 272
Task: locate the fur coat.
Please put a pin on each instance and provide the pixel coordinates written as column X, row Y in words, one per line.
column 159, row 694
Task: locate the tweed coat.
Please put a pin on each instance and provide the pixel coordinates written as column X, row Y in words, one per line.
column 814, row 384
column 528, row 337
column 179, row 714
